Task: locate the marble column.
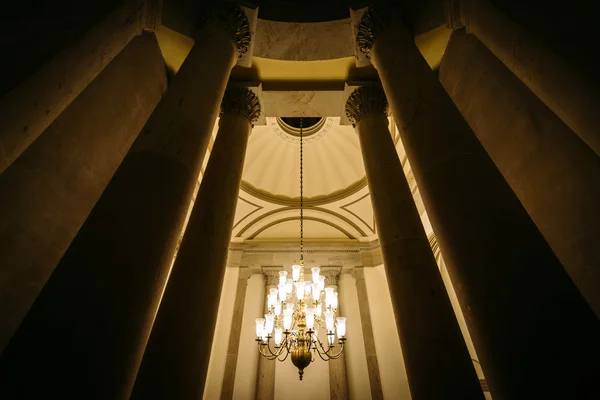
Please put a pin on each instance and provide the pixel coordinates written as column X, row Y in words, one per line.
column 338, row 380
column 432, row 344
column 552, row 172
column 31, row 106
column 526, row 317
column 369, row 338
column 50, row 190
column 234, row 334
column 571, row 95
column 265, row 378
column 176, row 359
column 94, row 315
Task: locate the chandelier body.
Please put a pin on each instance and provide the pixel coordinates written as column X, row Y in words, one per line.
column 295, row 316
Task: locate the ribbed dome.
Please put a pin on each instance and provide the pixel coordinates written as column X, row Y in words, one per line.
column 332, row 162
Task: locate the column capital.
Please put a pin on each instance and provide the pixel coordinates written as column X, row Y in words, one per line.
column 230, row 18
column 242, row 101
column 373, row 22
column 331, row 274
column 365, row 100
column 271, row 275
column 244, row 273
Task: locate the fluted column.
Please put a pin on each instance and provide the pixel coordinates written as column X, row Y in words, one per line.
column 94, row 314
column 234, row 335
column 176, row 358
column 30, row 107
column 571, row 95
column 265, row 378
column 338, row 381
column 432, row 345
column 50, row 190
column 527, row 319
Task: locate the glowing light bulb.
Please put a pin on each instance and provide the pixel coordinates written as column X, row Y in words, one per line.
column 269, row 324
column 282, row 277
column 329, row 320
column 328, row 296
column 318, row 310
column 277, row 309
column 330, row 338
column 334, row 300
column 287, row 319
column 260, row 327
column 282, row 292
column 316, row 293
column 341, row 326
column 321, row 283
column 310, row 318
column 300, row 290
column 289, row 286
column 315, row 274
column 278, row 336
column 296, row 272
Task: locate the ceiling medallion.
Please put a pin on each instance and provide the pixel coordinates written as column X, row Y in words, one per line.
column 292, row 135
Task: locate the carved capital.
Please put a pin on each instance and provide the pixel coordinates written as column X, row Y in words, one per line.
column 241, row 101
column 271, row 276
column 364, row 101
column 230, row 18
column 331, row 274
column 375, row 21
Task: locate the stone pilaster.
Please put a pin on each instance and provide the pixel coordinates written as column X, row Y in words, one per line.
column 367, row 330
column 169, row 369
column 338, row 380
column 96, row 311
column 265, row 378
column 234, row 335
column 494, row 252
column 431, row 341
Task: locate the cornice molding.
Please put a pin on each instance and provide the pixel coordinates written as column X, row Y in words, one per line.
column 308, row 201
column 297, row 218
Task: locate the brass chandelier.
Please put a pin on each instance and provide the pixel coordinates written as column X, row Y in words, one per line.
column 295, row 318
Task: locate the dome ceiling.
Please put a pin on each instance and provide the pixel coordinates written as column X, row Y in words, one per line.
column 332, row 163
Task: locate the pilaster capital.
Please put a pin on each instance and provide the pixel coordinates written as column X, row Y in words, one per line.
column 271, row 275
column 230, row 18
column 375, row 21
column 241, row 101
column 331, row 274
column 244, row 273
column 365, row 100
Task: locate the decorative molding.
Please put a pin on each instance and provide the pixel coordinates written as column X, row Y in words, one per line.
column 372, row 229
column 373, row 22
column 323, row 221
column 365, row 100
column 322, row 251
column 318, row 209
column 331, row 274
column 276, row 127
column 258, row 208
column 241, row 101
column 229, row 17
column 306, row 131
column 308, row 201
column 271, row 275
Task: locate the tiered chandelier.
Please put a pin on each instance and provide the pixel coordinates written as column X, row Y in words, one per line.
column 298, row 310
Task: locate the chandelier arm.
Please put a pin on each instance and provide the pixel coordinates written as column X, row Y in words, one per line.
column 323, row 356
column 339, row 354
column 265, row 355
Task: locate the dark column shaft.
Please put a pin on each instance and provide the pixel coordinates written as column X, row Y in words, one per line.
column 553, row 173
column 92, row 319
column 176, row 359
column 432, row 344
column 67, row 46
column 527, row 319
column 49, row 191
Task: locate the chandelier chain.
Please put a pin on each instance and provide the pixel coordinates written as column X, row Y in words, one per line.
column 301, row 197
